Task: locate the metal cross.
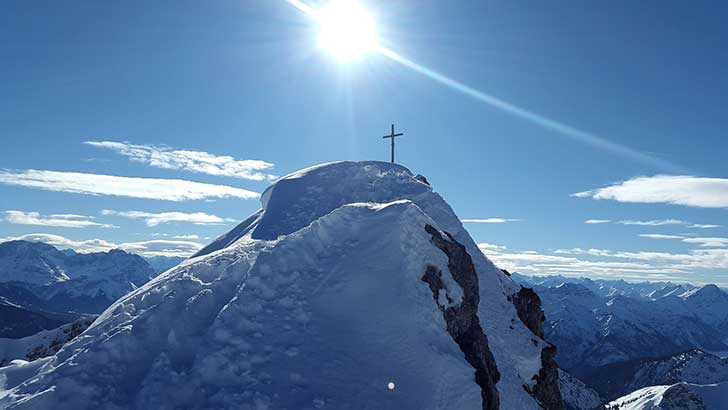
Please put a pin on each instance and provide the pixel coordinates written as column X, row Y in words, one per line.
column 392, row 136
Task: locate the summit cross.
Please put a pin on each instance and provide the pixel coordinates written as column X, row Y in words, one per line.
column 392, row 136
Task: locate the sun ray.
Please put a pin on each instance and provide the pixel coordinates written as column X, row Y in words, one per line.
column 346, row 53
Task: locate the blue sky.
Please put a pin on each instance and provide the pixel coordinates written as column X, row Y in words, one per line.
column 246, row 80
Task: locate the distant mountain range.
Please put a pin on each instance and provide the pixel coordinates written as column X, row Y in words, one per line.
column 619, row 337
column 42, row 288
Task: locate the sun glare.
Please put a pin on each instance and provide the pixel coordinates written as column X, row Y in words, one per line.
column 346, row 30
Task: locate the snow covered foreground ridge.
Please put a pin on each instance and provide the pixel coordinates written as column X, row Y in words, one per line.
column 332, row 291
column 680, row 396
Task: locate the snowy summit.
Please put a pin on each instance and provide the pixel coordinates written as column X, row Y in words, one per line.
column 354, row 287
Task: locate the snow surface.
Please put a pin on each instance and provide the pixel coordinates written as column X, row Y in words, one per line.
column 680, row 396
column 316, row 301
column 41, row 344
column 692, row 367
column 577, row 395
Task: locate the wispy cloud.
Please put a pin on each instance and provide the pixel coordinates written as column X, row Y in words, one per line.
column 154, row 219
column 99, row 184
column 654, row 222
column 188, row 160
column 57, row 220
column 597, row 221
column 658, row 222
column 660, row 236
column 667, row 189
column 604, row 263
column 490, row 220
column 145, row 248
column 490, row 247
column 193, row 236
column 708, row 242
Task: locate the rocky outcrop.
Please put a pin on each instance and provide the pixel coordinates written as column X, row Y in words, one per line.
column 462, row 319
column 528, row 308
column 546, row 390
column 69, row 332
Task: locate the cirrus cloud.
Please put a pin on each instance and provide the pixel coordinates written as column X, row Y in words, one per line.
column 667, row 189
column 154, row 219
column 189, row 160
column 56, row 220
column 490, row 220
column 144, row 248
column 132, row 187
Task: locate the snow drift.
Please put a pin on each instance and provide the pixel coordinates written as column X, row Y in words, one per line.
column 354, row 287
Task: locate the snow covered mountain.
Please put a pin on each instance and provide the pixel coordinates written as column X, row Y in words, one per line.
column 68, row 281
column 354, row 287
column 20, row 321
column 42, row 344
column 596, row 331
column 695, row 366
column 162, row 263
column 576, row 394
column 601, row 323
column 611, row 288
column 680, row 396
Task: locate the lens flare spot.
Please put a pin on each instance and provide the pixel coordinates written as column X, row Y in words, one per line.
column 346, row 30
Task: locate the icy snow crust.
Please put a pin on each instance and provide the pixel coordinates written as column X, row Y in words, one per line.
column 316, row 301
column 682, row 396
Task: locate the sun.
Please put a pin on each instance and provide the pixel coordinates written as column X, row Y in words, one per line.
column 346, row 30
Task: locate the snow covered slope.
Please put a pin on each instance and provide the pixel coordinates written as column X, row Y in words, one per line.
column 695, row 366
column 576, row 394
column 42, row 344
column 680, row 396
column 355, row 287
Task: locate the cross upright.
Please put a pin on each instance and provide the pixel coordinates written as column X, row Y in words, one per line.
column 392, row 136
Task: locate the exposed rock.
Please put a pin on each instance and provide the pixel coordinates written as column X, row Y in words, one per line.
column 546, row 390
column 528, row 307
column 422, row 179
column 69, row 333
column 462, row 320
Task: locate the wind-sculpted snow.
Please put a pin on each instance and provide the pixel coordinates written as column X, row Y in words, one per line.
column 314, row 302
column 577, row 395
column 680, row 396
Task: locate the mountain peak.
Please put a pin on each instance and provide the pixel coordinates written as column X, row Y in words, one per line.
column 354, row 276
column 707, row 292
column 299, row 198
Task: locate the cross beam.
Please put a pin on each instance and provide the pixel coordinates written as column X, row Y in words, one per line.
column 392, row 136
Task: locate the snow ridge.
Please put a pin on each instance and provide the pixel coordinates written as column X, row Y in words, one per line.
column 315, row 301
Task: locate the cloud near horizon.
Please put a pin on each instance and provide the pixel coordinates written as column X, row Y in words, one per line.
column 658, row 222
column 655, row 222
column 490, row 220
column 666, row 189
column 597, row 221
column 154, row 219
column 144, row 248
column 607, row 264
column 56, row 220
column 188, row 160
column 132, row 187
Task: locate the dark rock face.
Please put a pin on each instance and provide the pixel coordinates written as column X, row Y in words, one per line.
column 462, row 320
column 70, row 332
column 528, row 307
column 546, row 390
